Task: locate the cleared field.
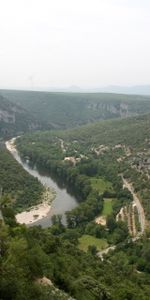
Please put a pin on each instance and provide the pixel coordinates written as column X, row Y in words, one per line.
column 107, row 207
column 87, row 240
column 101, row 185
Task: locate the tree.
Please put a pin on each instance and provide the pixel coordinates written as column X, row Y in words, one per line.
column 92, row 249
column 111, row 223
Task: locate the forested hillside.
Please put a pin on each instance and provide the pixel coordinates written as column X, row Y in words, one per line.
column 19, row 189
column 15, row 119
column 35, row 261
column 105, row 148
column 65, row 110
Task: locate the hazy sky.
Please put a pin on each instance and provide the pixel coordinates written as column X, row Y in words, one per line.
column 56, row 43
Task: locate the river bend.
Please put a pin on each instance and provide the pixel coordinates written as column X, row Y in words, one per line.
column 63, row 201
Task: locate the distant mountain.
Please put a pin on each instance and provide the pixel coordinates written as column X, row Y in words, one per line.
column 131, row 90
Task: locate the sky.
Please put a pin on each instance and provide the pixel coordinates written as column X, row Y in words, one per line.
column 86, row 43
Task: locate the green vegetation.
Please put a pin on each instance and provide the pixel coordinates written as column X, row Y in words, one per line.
column 23, row 189
column 29, row 254
column 103, row 149
column 86, row 240
column 101, row 185
column 107, row 207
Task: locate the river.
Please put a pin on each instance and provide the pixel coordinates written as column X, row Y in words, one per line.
column 63, row 201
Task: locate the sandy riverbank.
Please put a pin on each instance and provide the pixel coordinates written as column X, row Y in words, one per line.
column 10, row 145
column 36, row 212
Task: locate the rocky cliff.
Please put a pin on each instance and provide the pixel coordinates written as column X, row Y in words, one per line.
column 14, row 119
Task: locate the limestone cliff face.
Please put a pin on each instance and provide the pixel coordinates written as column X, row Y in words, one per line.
column 14, row 119
column 119, row 109
column 7, row 117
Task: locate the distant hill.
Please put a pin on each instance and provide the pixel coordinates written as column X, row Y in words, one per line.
column 15, row 120
column 116, row 89
column 66, row 110
column 134, row 90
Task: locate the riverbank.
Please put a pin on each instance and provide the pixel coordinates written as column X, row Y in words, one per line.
column 39, row 211
column 63, row 200
column 10, row 145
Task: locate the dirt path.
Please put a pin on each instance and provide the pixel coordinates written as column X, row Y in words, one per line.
column 133, row 222
column 137, row 202
column 105, row 251
column 129, row 223
column 1, row 216
column 62, row 145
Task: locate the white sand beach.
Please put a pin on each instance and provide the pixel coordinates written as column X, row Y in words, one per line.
column 36, row 213
column 10, row 145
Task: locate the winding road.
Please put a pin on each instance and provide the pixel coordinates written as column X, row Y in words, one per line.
column 105, row 251
column 139, row 206
column 141, row 215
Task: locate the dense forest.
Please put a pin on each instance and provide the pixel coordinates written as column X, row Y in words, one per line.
column 29, row 255
column 101, row 149
column 18, row 188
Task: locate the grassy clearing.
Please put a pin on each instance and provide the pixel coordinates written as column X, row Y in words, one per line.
column 88, row 240
column 107, row 207
column 101, row 185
